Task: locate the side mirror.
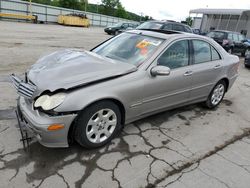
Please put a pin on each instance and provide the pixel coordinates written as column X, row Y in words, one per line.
column 160, row 71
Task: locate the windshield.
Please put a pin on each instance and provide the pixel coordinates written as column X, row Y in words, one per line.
column 216, row 34
column 129, row 48
column 150, row 25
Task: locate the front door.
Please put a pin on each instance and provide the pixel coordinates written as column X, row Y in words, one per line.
column 169, row 90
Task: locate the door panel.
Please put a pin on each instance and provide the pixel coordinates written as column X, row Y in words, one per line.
column 206, row 68
column 164, row 91
column 204, row 77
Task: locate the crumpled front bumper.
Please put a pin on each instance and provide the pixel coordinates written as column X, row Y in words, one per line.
column 37, row 123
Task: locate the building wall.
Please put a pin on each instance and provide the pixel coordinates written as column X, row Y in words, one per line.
column 49, row 13
column 225, row 22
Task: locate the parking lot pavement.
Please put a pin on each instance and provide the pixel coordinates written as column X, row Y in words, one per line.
column 186, row 147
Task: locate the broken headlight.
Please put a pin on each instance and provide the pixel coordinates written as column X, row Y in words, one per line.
column 49, row 102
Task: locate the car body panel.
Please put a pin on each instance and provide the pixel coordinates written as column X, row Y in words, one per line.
column 134, row 88
column 70, row 68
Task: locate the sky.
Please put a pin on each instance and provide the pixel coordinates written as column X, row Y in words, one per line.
column 176, row 9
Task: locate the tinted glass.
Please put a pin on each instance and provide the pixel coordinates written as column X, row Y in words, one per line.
column 241, row 37
column 215, row 54
column 187, row 29
column 201, row 51
column 230, row 36
column 177, row 27
column 175, row 56
column 217, row 34
column 168, row 27
column 129, row 48
column 125, row 25
column 150, row 25
column 235, row 37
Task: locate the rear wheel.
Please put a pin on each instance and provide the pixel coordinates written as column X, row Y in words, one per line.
column 216, row 95
column 116, row 32
column 98, row 124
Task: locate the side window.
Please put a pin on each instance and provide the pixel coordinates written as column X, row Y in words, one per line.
column 241, row 38
column 235, row 37
column 215, row 54
column 188, row 30
column 202, row 51
column 125, row 25
column 175, row 56
column 168, row 27
column 230, row 36
column 178, row 27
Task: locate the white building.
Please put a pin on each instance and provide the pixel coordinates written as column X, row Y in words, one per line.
column 222, row 19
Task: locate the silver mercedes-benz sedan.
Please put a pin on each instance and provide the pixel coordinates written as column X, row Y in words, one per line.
column 88, row 96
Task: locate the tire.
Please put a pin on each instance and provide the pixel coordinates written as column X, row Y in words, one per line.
column 116, row 32
column 230, row 50
column 98, row 124
column 215, row 97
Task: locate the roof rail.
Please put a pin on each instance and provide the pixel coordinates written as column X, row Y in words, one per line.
column 162, row 31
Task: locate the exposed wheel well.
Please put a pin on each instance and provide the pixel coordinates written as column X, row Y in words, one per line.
column 117, row 102
column 226, row 81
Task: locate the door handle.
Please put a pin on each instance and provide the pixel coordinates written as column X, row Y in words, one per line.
column 188, row 73
column 217, row 66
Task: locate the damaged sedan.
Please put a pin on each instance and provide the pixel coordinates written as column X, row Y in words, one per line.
column 87, row 96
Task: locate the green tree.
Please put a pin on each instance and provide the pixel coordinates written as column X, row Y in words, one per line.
column 109, row 6
column 189, row 21
column 121, row 12
column 72, row 4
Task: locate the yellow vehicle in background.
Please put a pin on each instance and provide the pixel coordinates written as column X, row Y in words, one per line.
column 74, row 20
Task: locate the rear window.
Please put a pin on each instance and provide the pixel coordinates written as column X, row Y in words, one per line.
column 217, row 34
column 150, row 25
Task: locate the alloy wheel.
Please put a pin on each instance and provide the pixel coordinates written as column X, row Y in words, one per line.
column 101, row 125
column 218, row 94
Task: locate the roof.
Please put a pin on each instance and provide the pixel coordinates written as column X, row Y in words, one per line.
column 163, row 34
column 219, row 11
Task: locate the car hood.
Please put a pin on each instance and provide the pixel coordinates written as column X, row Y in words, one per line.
column 71, row 68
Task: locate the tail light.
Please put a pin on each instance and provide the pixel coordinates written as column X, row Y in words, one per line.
column 224, row 42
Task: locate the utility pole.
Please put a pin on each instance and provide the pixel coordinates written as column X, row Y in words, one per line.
column 30, row 7
column 85, row 5
column 141, row 13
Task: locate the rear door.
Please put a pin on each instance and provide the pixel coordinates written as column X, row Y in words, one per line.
column 206, row 67
column 237, row 43
column 242, row 47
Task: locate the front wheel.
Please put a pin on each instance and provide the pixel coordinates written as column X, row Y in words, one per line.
column 216, row 95
column 98, row 124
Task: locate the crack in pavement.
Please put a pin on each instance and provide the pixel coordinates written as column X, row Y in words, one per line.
column 44, row 169
column 209, row 175
column 241, row 166
column 246, row 132
column 6, row 128
column 182, row 173
column 61, row 176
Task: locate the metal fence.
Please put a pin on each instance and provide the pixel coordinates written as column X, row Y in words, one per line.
column 47, row 13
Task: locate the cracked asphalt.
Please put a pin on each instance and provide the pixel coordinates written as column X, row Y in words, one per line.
column 181, row 148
